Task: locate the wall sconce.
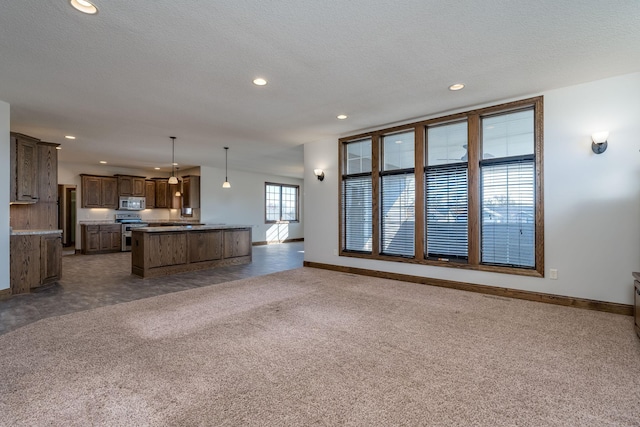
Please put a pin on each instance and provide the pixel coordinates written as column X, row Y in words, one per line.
column 599, row 144
column 319, row 173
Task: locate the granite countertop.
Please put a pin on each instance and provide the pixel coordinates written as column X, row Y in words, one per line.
column 34, row 232
column 96, row 222
column 189, row 227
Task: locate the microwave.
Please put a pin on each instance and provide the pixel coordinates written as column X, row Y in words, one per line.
column 132, row 203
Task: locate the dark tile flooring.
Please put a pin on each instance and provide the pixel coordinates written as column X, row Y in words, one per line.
column 90, row 281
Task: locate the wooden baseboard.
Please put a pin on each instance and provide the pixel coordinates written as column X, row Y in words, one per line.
column 275, row 242
column 609, row 307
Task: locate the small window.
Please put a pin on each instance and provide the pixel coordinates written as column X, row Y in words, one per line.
column 281, row 203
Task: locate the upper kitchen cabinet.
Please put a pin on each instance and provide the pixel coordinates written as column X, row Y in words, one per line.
column 150, row 193
column 162, row 193
column 131, row 185
column 191, row 191
column 99, row 192
column 24, row 169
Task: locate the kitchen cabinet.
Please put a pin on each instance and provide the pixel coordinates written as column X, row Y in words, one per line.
column 43, row 213
column 50, row 258
column 99, row 191
column 237, row 243
column 24, row 169
column 35, row 260
column 102, row 238
column 150, row 193
column 191, row 191
column 131, row 185
column 158, row 251
column 162, row 193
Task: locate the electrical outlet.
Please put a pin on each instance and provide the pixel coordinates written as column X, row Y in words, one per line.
column 553, row 274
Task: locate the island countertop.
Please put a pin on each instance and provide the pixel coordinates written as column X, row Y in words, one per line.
column 185, row 227
column 158, row 251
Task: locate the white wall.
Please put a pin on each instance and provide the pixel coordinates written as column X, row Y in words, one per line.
column 243, row 203
column 4, row 195
column 591, row 202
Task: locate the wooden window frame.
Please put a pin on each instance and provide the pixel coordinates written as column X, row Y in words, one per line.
column 473, row 118
column 282, row 221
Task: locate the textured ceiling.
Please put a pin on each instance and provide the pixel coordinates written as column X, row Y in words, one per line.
column 126, row 79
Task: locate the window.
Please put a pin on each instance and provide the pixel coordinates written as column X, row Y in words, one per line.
column 463, row 190
column 508, row 188
column 446, row 186
column 398, row 195
column 356, row 191
column 281, row 202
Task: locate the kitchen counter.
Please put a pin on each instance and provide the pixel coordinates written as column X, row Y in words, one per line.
column 159, row 251
column 34, row 232
column 195, row 227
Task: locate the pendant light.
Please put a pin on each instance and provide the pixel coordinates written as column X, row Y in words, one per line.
column 226, row 179
column 178, row 191
column 173, row 179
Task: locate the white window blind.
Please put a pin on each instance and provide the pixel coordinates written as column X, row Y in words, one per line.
column 446, row 196
column 398, row 214
column 508, row 213
column 357, row 214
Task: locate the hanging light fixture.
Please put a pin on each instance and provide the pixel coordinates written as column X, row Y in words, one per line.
column 173, row 179
column 226, row 179
column 178, row 191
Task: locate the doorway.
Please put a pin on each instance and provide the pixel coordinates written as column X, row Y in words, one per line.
column 67, row 214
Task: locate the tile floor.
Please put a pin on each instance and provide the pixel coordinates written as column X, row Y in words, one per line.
column 90, row 281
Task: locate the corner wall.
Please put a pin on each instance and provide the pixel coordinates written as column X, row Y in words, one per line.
column 591, row 202
column 243, row 203
column 4, row 195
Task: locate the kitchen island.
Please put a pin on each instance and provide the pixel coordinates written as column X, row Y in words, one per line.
column 160, row 251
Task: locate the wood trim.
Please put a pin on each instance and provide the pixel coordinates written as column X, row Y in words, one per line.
column 539, row 139
column 474, row 198
column 301, row 239
column 419, row 205
column 583, row 303
column 341, row 171
column 5, row 293
column 375, row 194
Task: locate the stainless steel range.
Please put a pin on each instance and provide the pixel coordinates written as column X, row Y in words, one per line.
column 129, row 221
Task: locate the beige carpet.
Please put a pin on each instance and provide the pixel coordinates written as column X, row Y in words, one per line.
column 313, row 347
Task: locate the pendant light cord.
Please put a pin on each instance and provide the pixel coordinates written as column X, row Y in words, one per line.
column 226, row 171
column 173, row 155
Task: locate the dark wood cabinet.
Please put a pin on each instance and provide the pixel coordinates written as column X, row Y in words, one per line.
column 150, row 193
column 191, row 191
column 237, row 243
column 40, row 214
column 162, row 193
column 131, row 185
column 101, row 238
column 99, row 192
column 175, row 202
column 24, row 168
column 35, row 260
column 50, row 258
column 169, row 250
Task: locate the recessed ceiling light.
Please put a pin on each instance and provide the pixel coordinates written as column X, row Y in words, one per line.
column 342, row 117
column 456, row 86
column 174, row 164
column 259, row 81
column 157, row 169
column 84, row 6
column 58, row 148
column 103, row 162
column 70, row 137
